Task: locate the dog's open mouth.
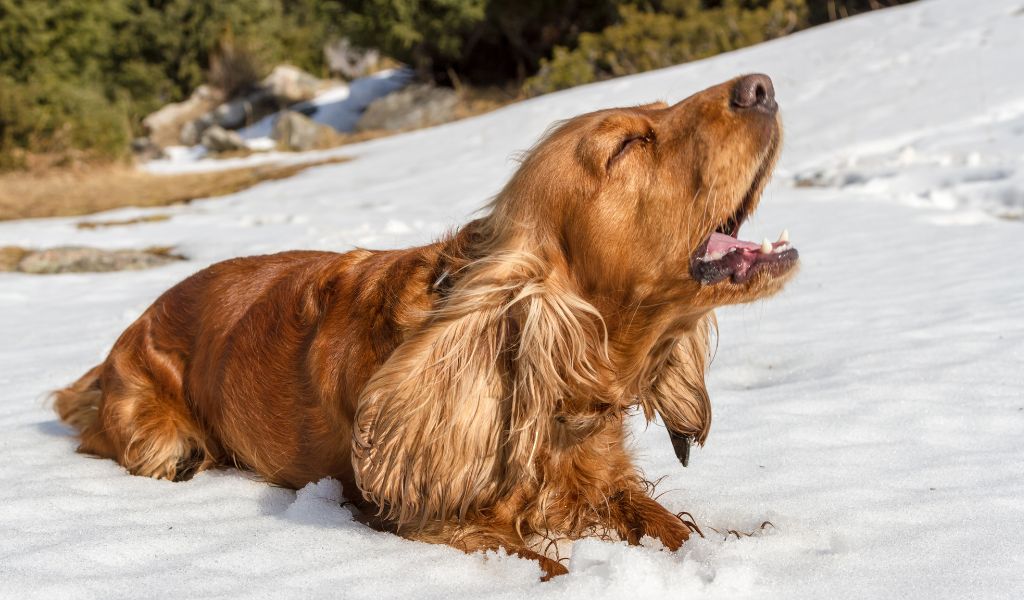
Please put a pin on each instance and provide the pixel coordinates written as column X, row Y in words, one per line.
column 724, row 256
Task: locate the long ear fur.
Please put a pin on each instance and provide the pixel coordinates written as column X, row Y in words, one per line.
column 457, row 413
column 678, row 393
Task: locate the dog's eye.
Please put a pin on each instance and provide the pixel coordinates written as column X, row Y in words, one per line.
column 629, row 143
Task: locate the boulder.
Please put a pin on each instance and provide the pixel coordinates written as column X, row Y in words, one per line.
column 75, row 259
column 192, row 132
column 218, row 139
column 284, row 86
column 288, row 85
column 412, row 107
column 295, row 131
column 164, row 126
column 245, row 110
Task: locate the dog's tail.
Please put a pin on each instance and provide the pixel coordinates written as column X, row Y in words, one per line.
column 78, row 404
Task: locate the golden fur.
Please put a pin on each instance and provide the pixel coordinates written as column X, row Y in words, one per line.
column 473, row 391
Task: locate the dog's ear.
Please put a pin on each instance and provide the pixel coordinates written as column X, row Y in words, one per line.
column 611, row 138
column 456, row 414
column 678, row 392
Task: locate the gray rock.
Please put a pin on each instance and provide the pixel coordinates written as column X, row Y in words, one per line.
column 288, row 85
column 75, row 259
column 412, row 107
column 164, row 126
column 284, row 86
column 218, row 139
column 143, row 148
column 245, row 110
column 295, row 131
column 192, row 132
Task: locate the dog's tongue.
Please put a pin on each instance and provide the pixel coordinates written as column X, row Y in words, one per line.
column 720, row 244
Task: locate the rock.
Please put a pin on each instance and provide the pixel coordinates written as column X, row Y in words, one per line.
column 346, row 60
column 245, row 110
column 143, row 148
column 295, row 131
column 284, row 86
column 218, row 139
column 75, row 259
column 164, row 126
column 412, row 107
column 192, row 132
column 288, row 85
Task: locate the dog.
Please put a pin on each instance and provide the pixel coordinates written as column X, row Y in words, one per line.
column 474, row 391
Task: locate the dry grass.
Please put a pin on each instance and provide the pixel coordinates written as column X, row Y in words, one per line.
column 59, row 191
column 475, row 101
column 63, row 193
column 120, row 222
column 10, row 257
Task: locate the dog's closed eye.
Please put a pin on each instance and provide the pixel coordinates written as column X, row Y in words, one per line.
column 630, row 142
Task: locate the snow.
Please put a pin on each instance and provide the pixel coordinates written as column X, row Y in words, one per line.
column 873, row 412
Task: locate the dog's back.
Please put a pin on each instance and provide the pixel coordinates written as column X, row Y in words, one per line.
column 255, row 362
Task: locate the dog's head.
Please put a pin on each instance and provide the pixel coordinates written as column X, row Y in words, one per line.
column 650, row 199
column 540, row 339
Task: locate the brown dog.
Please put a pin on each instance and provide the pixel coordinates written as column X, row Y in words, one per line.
column 473, row 391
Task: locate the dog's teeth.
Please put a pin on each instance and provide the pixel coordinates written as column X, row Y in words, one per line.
column 784, row 236
column 766, row 247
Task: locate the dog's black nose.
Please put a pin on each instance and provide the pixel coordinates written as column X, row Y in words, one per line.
column 754, row 92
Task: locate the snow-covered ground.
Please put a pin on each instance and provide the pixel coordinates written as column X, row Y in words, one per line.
column 873, row 412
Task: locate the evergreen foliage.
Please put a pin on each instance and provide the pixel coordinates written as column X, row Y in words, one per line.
column 77, row 76
column 656, row 34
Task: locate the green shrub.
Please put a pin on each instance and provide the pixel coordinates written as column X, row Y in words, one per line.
column 78, row 76
column 60, row 118
column 644, row 40
column 480, row 41
column 418, row 32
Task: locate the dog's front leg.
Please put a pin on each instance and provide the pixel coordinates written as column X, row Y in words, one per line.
column 470, row 538
column 633, row 514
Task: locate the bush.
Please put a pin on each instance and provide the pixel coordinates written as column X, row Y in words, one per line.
column 645, row 40
column 78, row 76
column 236, row 67
column 481, row 41
column 61, row 119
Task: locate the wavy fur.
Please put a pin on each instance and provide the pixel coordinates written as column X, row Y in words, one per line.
column 475, row 391
column 477, row 385
column 678, row 392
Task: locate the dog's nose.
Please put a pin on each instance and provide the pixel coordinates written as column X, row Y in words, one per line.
column 754, row 92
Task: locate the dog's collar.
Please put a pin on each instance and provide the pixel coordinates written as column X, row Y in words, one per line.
column 681, row 443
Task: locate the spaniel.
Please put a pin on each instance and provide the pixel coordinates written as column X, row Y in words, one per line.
column 474, row 391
